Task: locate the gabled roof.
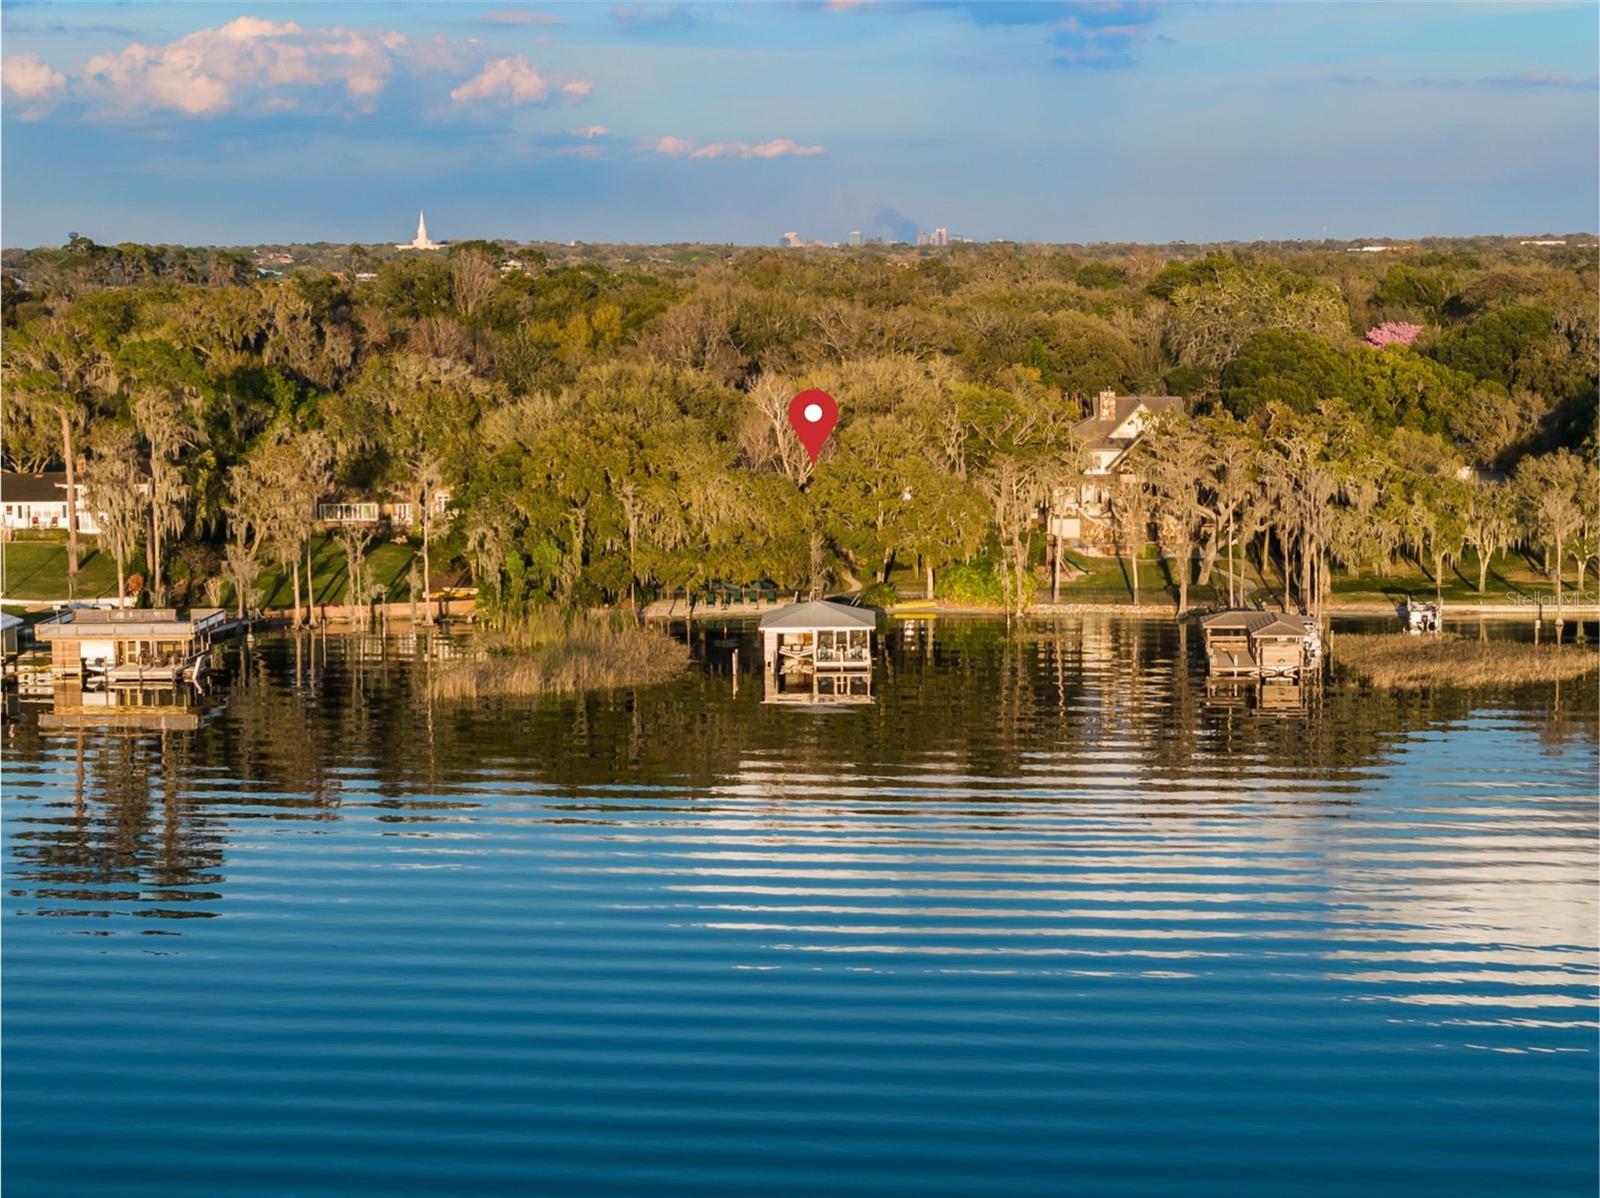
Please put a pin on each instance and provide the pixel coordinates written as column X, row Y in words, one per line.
column 1282, row 626
column 1256, row 623
column 820, row 613
column 50, row 487
column 1096, row 429
column 1241, row 620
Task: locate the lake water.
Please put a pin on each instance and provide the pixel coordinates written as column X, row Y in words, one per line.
column 1044, row 918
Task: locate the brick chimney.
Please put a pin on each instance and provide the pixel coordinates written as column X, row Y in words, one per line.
column 1106, row 406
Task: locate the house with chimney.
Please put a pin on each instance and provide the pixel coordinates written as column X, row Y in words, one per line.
column 1080, row 514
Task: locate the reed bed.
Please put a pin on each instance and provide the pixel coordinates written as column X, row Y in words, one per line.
column 563, row 653
column 1401, row 662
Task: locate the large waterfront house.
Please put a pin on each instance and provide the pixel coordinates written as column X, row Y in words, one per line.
column 1080, row 514
column 40, row 501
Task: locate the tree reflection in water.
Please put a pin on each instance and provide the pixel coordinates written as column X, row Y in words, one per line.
column 141, row 822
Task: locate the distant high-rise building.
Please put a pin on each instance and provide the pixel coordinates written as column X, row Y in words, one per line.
column 855, row 236
column 791, row 240
column 941, row 236
column 922, row 238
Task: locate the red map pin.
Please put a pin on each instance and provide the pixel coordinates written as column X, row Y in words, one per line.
column 813, row 415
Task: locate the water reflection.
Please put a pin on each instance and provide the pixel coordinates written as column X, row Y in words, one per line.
column 179, row 708
column 820, row 689
column 1102, row 710
column 1047, row 880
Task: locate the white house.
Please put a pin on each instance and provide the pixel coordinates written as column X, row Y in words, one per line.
column 40, row 501
column 1080, row 514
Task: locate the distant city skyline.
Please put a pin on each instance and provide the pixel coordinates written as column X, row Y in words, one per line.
column 1136, row 122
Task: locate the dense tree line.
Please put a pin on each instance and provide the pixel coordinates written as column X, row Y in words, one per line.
column 605, row 432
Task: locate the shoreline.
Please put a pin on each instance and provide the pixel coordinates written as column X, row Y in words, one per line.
column 923, row 609
column 458, row 611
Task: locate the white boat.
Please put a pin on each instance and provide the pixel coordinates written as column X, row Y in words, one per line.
column 1422, row 617
column 1313, row 643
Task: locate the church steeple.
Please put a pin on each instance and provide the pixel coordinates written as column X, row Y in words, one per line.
column 421, row 241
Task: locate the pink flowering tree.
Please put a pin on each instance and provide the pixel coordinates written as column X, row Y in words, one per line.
column 1393, row 332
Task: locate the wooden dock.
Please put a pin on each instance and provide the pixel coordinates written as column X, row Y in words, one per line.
column 1261, row 644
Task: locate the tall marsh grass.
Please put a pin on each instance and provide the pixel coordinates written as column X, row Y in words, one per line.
column 558, row 652
column 1400, row 662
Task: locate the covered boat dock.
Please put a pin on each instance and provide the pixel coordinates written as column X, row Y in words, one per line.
column 120, row 646
column 820, row 648
column 1260, row 643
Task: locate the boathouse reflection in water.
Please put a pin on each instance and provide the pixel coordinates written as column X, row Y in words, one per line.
column 1042, row 898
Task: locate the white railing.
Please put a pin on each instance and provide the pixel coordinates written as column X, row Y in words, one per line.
column 348, row 513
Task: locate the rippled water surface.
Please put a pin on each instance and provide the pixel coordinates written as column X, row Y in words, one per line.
column 1044, row 918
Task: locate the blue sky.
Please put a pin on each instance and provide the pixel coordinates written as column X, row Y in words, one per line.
column 235, row 124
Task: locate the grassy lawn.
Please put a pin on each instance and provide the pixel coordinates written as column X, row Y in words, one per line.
column 1509, row 574
column 1108, row 580
column 388, row 563
column 1105, row 581
column 38, row 570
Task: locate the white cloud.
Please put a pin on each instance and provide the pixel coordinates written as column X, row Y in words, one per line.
column 512, row 82
column 506, row 81
column 256, row 67
column 30, row 81
column 780, row 147
column 249, row 65
column 589, row 131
